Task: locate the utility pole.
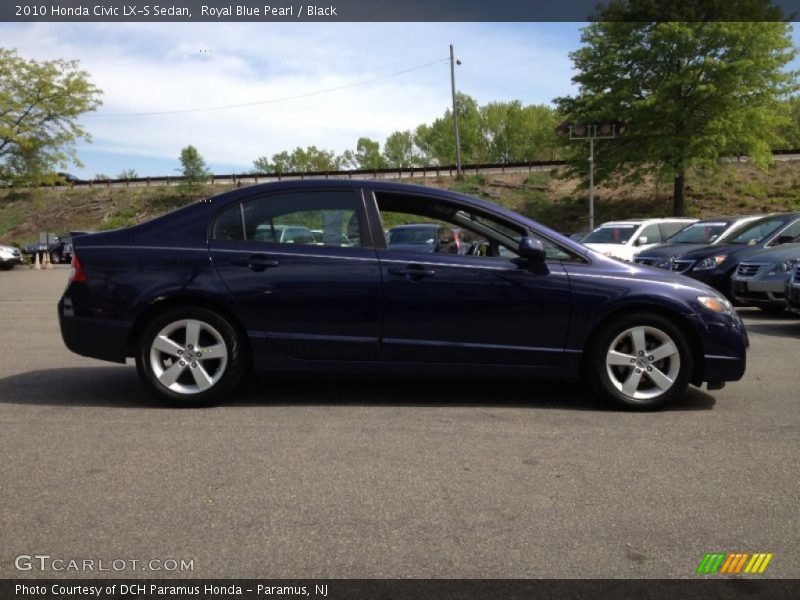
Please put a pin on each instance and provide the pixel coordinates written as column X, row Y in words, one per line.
column 455, row 111
column 591, row 183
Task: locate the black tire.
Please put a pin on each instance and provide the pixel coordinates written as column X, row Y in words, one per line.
column 230, row 374
column 7, row 266
column 596, row 370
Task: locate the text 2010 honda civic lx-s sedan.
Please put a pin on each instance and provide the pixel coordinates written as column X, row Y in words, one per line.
column 202, row 294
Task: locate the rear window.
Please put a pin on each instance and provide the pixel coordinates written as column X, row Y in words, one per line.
column 229, row 225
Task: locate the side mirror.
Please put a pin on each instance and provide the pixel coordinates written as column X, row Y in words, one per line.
column 641, row 241
column 532, row 249
column 784, row 239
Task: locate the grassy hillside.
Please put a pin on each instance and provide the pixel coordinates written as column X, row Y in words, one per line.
column 737, row 188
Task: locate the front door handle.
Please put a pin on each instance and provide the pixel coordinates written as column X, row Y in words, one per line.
column 412, row 271
column 256, row 262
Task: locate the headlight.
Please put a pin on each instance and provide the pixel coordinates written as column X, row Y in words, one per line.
column 716, row 304
column 785, row 266
column 710, row 263
column 665, row 261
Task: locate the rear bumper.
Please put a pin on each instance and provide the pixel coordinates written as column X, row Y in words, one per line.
column 103, row 339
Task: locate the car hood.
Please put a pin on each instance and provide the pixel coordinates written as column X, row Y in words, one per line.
column 665, row 250
column 775, row 255
column 734, row 252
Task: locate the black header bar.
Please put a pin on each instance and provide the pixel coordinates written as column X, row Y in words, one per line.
column 387, row 10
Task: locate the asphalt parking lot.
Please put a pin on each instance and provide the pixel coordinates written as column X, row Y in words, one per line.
column 314, row 477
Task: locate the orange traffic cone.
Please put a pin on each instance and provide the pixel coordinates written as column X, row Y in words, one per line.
column 35, row 265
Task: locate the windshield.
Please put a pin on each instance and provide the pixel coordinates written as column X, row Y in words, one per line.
column 699, row 233
column 756, row 233
column 610, row 234
column 416, row 235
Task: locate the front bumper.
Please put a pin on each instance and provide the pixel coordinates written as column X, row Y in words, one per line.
column 760, row 291
column 724, row 342
column 792, row 291
column 718, row 279
column 7, row 263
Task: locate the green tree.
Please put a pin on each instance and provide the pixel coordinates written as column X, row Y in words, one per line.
column 282, row 162
column 262, row 165
column 312, row 159
column 789, row 131
column 399, row 150
column 690, row 92
column 193, row 167
column 40, row 103
column 367, row 156
column 436, row 141
column 128, row 174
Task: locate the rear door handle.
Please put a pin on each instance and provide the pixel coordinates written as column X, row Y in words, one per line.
column 412, row 271
column 256, row 262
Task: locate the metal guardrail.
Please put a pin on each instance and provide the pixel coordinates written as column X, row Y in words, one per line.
column 235, row 179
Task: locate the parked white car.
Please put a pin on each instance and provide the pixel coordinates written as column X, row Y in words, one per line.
column 623, row 239
column 9, row 256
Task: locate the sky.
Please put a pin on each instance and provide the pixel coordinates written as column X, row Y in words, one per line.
column 159, row 67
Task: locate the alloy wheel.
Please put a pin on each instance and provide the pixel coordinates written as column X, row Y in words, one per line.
column 188, row 356
column 643, row 362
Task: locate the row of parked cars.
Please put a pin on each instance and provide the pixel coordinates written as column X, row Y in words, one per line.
column 59, row 250
column 754, row 260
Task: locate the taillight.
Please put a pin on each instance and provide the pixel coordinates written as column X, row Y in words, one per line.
column 76, row 272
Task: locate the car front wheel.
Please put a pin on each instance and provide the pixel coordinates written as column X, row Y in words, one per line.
column 640, row 362
column 190, row 357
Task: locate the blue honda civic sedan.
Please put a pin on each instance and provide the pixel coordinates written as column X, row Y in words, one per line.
column 202, row 295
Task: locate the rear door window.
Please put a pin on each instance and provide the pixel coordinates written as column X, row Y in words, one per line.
column 321, row 218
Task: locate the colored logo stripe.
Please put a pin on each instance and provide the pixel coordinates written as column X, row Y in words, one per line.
column 758, row 563
column 734, row 563
column 711, row 562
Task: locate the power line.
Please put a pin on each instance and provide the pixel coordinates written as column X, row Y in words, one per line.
column 273, row 100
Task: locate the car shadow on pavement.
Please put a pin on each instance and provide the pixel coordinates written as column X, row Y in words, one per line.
column 784, row 330
column 119, row 387
column 113, row 386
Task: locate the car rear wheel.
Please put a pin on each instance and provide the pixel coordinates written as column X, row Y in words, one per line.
column 190, row 357
column 639, row 362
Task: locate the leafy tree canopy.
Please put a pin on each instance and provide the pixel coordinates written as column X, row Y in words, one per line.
column 690, row 92
column 40, row 103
